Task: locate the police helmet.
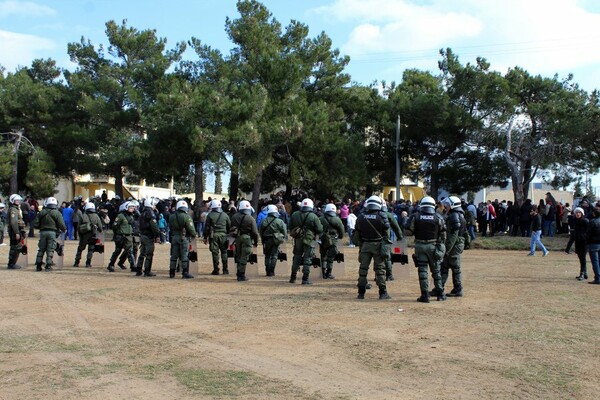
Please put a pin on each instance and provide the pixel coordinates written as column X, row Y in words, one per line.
column 245, row 207
column 14, row 198
column 453, row 202
column 215, row 204
column 428, row 205
column 2, row 205
column 133, row 203
column 89, row 206
column 51, row 202
column 373, row 203
column 182, row 205
column 272, row 209
column 330, row 209
column 307, row 205
column 123, row 206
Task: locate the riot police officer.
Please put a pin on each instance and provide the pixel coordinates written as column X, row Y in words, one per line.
column 123, row 231
column 429, row 230
column 333, row 229
column 456, row 226
column 308, row 225
column 182, row 227
column 16, row 230
column 216, row 227
column 89, row 225
column 272, row 233
column 394, row 227
column 371, row 235
column 247, row 236
column 135, row 238
column 50, row 223
column 149, row 234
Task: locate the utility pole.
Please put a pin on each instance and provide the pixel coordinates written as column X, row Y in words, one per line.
column 398, row 159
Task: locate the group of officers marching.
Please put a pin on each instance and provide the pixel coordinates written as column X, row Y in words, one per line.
column 439, row 240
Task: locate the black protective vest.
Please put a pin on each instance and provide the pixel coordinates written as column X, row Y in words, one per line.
column 371, row 226
column 426, row 227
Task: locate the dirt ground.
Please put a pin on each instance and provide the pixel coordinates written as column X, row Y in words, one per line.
column 526, row 329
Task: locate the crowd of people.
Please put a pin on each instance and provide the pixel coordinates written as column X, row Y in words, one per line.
column 442, row 230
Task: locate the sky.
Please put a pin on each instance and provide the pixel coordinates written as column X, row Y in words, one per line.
column 382, row 37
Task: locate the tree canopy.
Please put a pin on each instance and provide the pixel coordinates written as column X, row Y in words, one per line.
column 279, row 111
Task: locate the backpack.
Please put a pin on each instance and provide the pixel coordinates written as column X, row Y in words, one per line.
column 299, row 231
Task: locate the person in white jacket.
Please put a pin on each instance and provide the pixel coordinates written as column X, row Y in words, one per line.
column 351, row 225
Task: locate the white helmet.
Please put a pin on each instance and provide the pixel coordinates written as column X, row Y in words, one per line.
column 215, row 204
column 182, row 205
column 151, row 202
column 123, row 206
column 89, row 206
column 51, row 202
column 2, row 205
column 453, row 202
column 330, row 209
column 133, row 203
column 245, row 207
column 373, row 203
column 272, row 209
column 14, row 198
column 428, row 205
column 307, row 205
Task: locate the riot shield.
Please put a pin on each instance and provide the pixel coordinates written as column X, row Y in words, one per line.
column 400, row 262
column 252, row 265
column 231, row 248
column 283, row 266
column 193, row 263
column 23, row 259
column 59, row 253
column 98, row 258
column 339, row 265
column 317, row 272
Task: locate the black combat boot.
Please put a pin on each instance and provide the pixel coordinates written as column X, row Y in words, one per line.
column 215, row 271
column 361, row 292
column 389, row 277
column 225, row 270
column 171, row 273
column 111, row 268
column 305, row 280
column 186, row 274
column 424, row 297
column 138, row 271
column 38, row 267
column 121, row 265
column 328, row 274
column 48, row 267
column 241, row 277
column 383, row 295
column 456, row 292
column 441, row 296
column 88, row 265
column 293, row 277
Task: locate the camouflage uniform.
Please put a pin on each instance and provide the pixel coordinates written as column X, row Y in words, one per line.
column 395, row 227
column 88, row 239
column 430, row 235
column 371, row 235
column 272, row 233
column 123, row 230
column 149, row 233
column 333, row 228
column 216, row 227
column 247, row 236
column 50, row 223
column 182, row 227
column 16, row 226
column 304, row 247
column 455, row 243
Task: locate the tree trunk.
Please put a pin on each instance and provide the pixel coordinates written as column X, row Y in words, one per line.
column 199, row 180
column 218, row 181
column 119, row 182
column 256, row 190
column 433, row 185
column 14, row 182
column 234, row 181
